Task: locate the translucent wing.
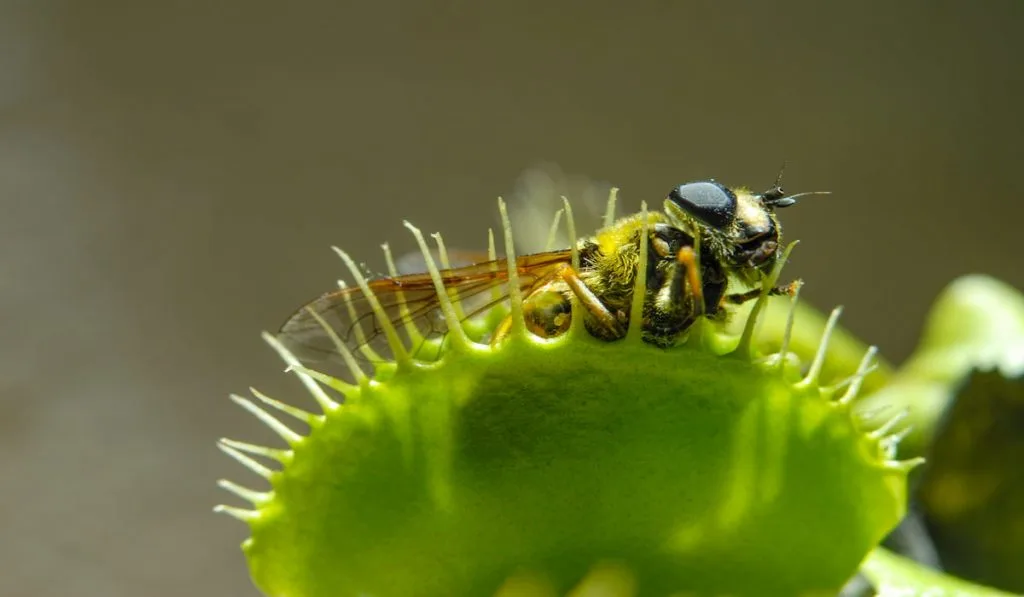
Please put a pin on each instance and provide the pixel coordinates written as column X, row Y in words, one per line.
column 538, row 195
column 408, row 300
column 414, row 262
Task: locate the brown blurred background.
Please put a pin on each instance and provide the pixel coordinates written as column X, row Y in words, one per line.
column 172, row 175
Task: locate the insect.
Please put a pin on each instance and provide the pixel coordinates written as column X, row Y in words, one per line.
column 708, row 237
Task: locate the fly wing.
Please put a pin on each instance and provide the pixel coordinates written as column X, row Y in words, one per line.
column 408, row 302
column 538, row 195
column 414, row 262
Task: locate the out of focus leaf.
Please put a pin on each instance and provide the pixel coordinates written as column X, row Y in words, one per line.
column 977, row 323
column 972, row 490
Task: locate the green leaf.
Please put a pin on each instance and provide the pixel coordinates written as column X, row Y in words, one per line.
column 972, row 490
column 977, row 323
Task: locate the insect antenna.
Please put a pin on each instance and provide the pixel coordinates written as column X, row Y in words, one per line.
column 785, row 201
column 776, row 197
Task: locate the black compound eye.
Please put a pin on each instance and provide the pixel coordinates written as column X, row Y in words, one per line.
column 708, row 201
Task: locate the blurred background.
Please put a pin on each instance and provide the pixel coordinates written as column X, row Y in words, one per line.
column 173, row 174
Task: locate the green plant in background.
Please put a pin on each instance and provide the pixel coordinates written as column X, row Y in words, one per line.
column 758, row 457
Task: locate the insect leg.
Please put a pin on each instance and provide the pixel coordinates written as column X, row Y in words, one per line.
column 688, row 258
column 542, row 306
column 502, row 331
column 547, row 317
column 547, row 310
column 741, row 297
column 602, row 316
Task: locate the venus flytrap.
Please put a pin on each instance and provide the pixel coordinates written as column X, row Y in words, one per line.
column 976, row 324
column 533, row 466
